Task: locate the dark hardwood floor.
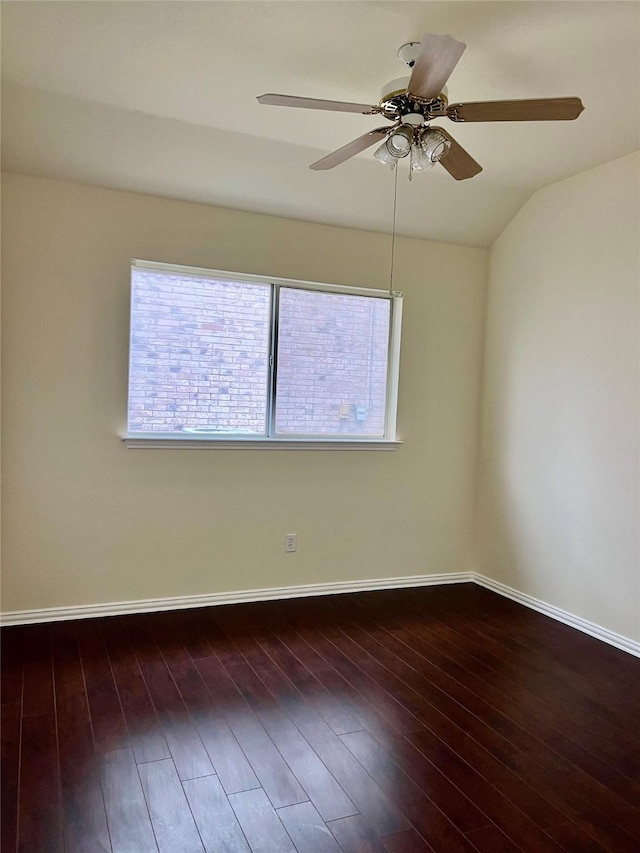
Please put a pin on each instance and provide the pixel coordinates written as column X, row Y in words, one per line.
column 442, row 719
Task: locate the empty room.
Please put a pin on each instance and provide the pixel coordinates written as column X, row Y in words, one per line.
column 321, row 426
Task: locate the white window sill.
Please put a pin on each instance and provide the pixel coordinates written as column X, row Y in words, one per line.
column 224, row 443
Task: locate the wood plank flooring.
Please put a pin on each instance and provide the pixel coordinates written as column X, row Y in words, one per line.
column 442, row 719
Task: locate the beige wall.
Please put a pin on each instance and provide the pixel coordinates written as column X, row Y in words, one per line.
column 558, row 508
column 88, row 521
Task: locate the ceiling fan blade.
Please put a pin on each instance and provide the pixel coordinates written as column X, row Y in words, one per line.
column 458, row 162
column 351, row 149
column 437, row 57
column 541, row 109
column 316, row 104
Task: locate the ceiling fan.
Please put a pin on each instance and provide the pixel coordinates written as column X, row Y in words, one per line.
column 411, row 103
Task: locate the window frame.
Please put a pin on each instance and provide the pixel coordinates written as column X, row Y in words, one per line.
column 388, row 441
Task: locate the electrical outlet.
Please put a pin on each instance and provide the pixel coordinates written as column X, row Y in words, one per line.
column 290, row 542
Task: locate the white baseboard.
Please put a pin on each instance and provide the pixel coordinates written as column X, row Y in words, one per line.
column 183, row 602
column 584, row 625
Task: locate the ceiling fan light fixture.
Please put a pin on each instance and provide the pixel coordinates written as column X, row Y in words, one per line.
column 411, row 102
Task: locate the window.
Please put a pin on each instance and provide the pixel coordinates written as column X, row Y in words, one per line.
column 234, row 360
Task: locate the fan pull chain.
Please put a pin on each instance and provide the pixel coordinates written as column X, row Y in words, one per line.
column 393, row 229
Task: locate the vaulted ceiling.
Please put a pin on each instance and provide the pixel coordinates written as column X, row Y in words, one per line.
column 160, row 97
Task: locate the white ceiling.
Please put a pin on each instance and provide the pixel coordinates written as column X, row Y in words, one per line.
column 159, row 97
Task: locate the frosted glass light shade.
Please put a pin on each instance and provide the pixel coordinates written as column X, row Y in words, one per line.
column 399, row 142
column 385, row 156
column 434, row 143
column 420, row 159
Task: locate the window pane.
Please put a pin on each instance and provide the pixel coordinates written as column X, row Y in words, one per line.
column 332, row 364
column 199, row 354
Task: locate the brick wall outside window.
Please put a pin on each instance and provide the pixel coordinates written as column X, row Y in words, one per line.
column 200, row 355
column 332, row 363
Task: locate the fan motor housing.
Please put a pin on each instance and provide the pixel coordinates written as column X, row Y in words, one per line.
column 395, row 102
